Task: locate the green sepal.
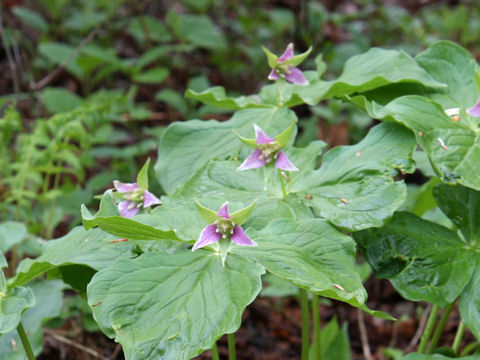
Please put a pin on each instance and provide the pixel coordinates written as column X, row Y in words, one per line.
column 477, row 78
column 3, row 261
column 321, row 65
column 207, row 214
column 249, row 142
column 240, row 216
column 284, row 136
column 142, row 177
column 272, row 58
column 298, row 59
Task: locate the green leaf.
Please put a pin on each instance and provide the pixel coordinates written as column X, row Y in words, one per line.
column 152, row 76
column 217, row 96
column 452, row 147
column 240, row 216
column 283, row 138
column 85, row 20
column 49, row 300
column 469, row 304
column 12, row 306
column 321, row 65
column 207, row 214
column 31, row 18
column 355, row 186
column 57, row 53
column 462, row 206
column 142, row 177
column 271, row 57
column 148, row 27
column 187, row 146
column 11, row 233
column 311, row 254
column 418, row 356
column 172, row 306
column 423, row 260
column 58, row 100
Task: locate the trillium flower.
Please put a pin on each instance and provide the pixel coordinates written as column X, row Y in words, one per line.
column 134, row 196
column 224, row 226
column 475, row 110
column 285, row 66
column 267, row 150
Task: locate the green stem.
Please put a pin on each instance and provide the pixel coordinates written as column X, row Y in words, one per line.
column 458, row 337
column 232, row 353
column 428, row 329
column 441, row 325
column 316, row 328
column 305, row 323
column 26, row 344
column 282, row 181
column 214, row 351
column 469, row 348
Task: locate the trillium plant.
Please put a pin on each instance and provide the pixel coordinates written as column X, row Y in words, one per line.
column 167, row 282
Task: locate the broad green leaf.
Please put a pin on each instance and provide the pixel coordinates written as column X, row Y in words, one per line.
column 58, row 100
column 57, row 53
column 12, row 306
column 335, row 344
column 469, row 304
column 216, row 96
column 92, row 248
column 240, row 216
column 187, row 146
column 11, row 233
column 152, row 76
column 3, row 261
column 85, row 20
column 145, row 28
column 453, row 147
column 142, row 177
column 418, row 356
column 355, row 187
column 423, row 260
column 462, row 206
column 49, row 300
column 172, row 306
column 30, row 18
column 311, row 254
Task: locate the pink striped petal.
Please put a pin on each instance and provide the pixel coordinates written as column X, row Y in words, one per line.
column 273, row 75
column 284, row 163
column 208, row 236
column 288, row 54
column 239, row 237
column 127, row 209
column 149, row 199
column 295, row 76
column 475, row 110
column 125, row 187
column 223, row 212
column 261, row 137
column 253, row 161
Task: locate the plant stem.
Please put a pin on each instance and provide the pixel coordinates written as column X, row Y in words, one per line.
column 305, row 323
column 316, row 328
column 26, row 344
column 232, row 354
column 214, row 352
column 282, row 181
column 441, row 325
column 428, row 329
column 458, row 337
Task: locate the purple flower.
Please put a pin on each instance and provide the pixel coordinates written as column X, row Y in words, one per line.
column 475, row 110
column 133, row 198
column 268, row 150
column 224, row 226
column 285, row 66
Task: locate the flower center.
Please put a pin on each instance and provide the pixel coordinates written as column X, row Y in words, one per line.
column 269, row 151
column 225, row 227
column 135, row 196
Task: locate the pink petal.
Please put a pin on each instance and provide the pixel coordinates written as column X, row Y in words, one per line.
column 475, row 110
column 253, row 161
column 295, row 76
column 127, row 208
column 288, row 54
column 273, row 75
column 149, row 199
column 208, row 236
column 284, row 163
column 261, row 137
column 125, row 187
column 223, row 212
column 239, row 237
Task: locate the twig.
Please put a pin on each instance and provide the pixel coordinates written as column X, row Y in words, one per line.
column 363, row 335
column 75, row 344
column 11, row 62
column 421, row 327
column 46, row 80
column 115, row 353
